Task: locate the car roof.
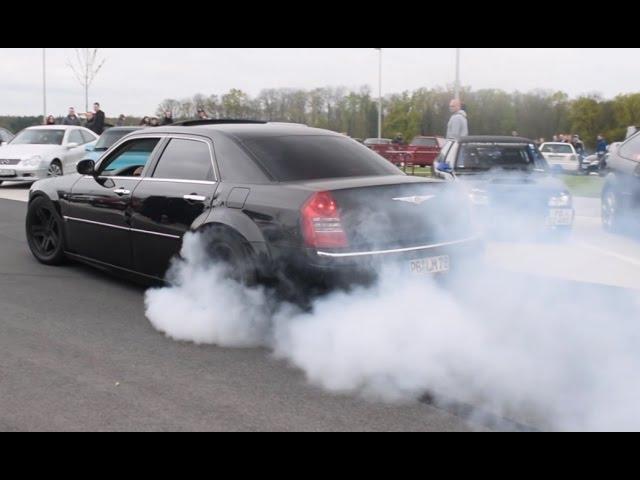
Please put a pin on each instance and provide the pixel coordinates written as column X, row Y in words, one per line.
column 557, row 143
column 124, row 129
column 245, row 130
column 494, row 139
column 53, row 127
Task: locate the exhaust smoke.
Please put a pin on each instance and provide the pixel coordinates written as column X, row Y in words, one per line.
column 551, row 354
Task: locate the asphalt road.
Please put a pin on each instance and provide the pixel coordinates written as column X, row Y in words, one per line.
column 77, row 353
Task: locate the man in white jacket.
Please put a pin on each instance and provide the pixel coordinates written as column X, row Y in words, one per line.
column 458, row 125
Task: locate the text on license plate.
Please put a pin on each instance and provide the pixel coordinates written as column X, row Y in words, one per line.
column 7, row 173
column 431, row 265
column 560, row 217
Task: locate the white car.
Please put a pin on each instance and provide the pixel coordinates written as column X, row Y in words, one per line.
column 41, row 152
column 561, row 155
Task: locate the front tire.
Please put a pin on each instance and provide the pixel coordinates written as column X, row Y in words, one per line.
column 45, row 232
column 55, row 169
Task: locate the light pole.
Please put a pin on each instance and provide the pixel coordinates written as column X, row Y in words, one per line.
column 379, row 92
column 44, row 85
column 457, row 87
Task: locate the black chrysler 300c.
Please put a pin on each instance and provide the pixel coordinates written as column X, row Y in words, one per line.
column 274, row 201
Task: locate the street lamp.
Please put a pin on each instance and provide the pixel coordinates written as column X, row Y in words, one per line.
column 379, row 93
column 457, row 87
column 44, row 85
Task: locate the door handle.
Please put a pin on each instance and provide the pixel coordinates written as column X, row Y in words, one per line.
column 195, row 198
column 122, row 192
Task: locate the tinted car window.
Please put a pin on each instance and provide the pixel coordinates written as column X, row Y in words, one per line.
column 631, row 149
column 484, row 157
column 425, row 142
column 109, row 139
column 129, row 158
column 303, row 157
column 557, row 148
column 76, row 137
column 185, row 160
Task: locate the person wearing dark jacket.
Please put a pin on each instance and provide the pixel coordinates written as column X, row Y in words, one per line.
column 71, row 119
column 97, row 126
column 168, row 118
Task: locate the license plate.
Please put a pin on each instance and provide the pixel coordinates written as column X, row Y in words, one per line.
column 430, row 265
column 560, row 217
column 7, row 173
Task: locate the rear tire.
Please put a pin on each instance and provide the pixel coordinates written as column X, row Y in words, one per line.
column 232, row 250
column 611, row 211
column 45, row 232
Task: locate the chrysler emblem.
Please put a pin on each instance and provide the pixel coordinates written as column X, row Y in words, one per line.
column 416, row 200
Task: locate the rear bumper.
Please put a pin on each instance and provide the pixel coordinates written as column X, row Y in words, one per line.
column 363, row 265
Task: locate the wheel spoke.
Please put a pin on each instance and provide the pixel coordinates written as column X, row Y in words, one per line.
column 42, row 217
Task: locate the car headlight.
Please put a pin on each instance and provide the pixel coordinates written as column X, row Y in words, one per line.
column 479, row 197
column 34, row 161
column 562, row 200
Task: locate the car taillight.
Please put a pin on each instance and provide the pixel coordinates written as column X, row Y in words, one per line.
column 321, row 222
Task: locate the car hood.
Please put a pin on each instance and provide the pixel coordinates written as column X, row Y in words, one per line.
column 26, row 151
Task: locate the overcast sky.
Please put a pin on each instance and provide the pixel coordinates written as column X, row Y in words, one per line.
column 134, row 81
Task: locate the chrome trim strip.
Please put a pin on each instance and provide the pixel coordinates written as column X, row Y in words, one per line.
column 108, row 225
column 81, row 220
column 398, row 250
column 135, row 230
column 175, row 180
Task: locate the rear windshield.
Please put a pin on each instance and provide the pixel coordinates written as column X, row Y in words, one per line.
column 557, row 148
column 425, row 142
column 303, row 157
column 110, row 137
column 485, row 157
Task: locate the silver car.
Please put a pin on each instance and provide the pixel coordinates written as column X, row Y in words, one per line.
column 41, row 152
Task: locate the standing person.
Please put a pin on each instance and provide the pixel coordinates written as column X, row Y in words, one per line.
column 398, row 139
column 458, row 126
column 154, row 122
column 51, row 120
column 71, row 118
column 515, row 134
column 144, row 122
column 579, row 148
column 202, row 115
column 601, row 146
column 168, row 118
column 98, row 121
column 90, row 122
column 121, row 121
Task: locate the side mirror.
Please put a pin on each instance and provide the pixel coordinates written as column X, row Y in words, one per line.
column 87, row 167
column 444, row 170
column 90, row 148
column 72, row 145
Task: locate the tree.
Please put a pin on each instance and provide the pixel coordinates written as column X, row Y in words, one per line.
column 86, row 67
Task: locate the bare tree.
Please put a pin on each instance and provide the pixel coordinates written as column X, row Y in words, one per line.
column 85, row 66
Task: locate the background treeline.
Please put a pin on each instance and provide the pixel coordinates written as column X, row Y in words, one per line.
column 424, row 111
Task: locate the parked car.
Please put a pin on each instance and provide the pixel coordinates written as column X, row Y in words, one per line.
column 41, row 152
column 509, row 183
column 396, row 154
column 107, row 140
column 562, row 156
column 621, row 191
column 273, row 201
column 5, row 136
column 425, row 150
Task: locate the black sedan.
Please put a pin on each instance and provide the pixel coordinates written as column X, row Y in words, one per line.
column 510, row 185
column 275, row 201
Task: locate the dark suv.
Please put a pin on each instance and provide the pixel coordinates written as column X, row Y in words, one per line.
column 621, row 192
column 274, row 200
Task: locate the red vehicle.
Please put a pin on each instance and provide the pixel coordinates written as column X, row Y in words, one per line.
column 396, row 154
column 425, row 150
